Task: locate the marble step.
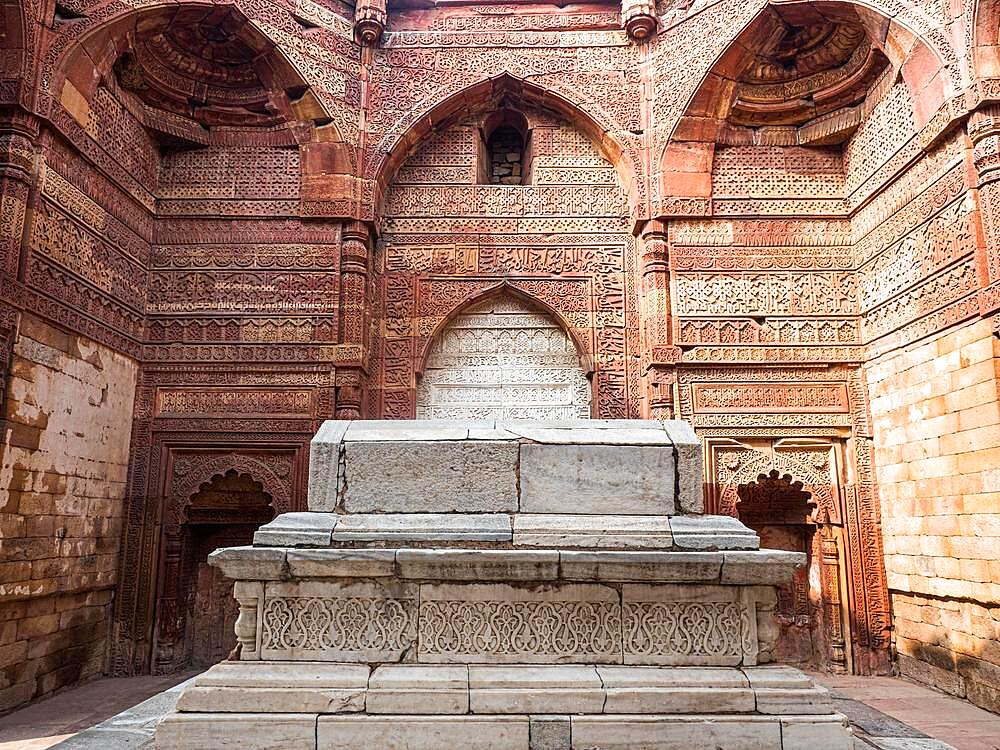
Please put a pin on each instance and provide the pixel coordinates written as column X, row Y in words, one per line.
column 459, row 689
column 551, row 530
column 509, row 732
column 527, row 707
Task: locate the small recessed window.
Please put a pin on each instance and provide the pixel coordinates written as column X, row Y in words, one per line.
column 505, row 157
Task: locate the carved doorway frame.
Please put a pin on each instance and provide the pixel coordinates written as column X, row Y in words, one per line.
column 187, row 468
column 819, row 464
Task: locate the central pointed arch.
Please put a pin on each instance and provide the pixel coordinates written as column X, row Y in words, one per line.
column 485, row 95
column 503, row 356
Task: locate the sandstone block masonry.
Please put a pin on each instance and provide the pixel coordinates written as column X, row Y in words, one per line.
column 66, row 420
column 936, row 418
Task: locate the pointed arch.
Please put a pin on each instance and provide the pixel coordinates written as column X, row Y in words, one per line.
column 90, row 51
column 204, row 469
column 507, row 286
column 915, row 48
column 505, row 355
column 401, row 140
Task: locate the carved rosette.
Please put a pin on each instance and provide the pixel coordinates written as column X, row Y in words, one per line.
column 639, row 19
column 369, row 22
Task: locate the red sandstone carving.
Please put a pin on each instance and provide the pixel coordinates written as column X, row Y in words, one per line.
column 744, row 221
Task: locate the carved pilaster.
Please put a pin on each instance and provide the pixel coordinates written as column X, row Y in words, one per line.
column 639, row 19
column 369, row 22
column 18, row 137
column 984, row 131
column 659, row 354
column 355, row 280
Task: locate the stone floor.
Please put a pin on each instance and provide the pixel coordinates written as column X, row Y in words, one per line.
column 890, row 713
column 120, row 714
column 110, row 714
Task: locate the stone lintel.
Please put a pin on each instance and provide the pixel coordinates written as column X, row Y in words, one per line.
column 733, row 569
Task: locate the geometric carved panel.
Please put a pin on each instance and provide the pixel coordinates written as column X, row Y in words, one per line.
column 503, row 359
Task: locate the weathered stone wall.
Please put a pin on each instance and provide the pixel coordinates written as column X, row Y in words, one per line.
column 63, row 464
column 936, row 418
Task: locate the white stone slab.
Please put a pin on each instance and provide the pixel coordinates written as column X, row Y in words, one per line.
column 419, row 689
column 777, row 676
column 273, row 700
column 432, row 676
column 249, row 563
column 324, row 465
column 786, row 690
column 479, row 565
column 533, row 676
column 409, row 430
column 277, row 674
column 668, row 690
column 831, row 732
column 399, row 528
column 680, row 732
column 309, row 529
column 430, row 477
column 592, row 531
column 712, row 533
column 346, row 563
column 422, row 732
column 535, row 690
column 598, row 479
column 184, row 731
column 690, row 466
column 760, row 567
column 583, row 433
column 628, row 565
column 619, row 677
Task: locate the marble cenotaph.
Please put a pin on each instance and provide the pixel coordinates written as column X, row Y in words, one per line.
column 505, row 585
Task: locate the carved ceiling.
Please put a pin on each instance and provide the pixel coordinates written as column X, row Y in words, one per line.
column 210, row 65
column 796, row 63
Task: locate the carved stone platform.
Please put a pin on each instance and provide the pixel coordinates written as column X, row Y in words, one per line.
column 505, row 585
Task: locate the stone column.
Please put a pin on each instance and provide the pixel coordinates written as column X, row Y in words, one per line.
column 984, row 131
column 369, row 22
column 352, row 350
column 659, row 355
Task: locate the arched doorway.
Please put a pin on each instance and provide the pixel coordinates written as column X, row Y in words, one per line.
column 196, row 612
column 225, row 512
column 778, row 508
column 503, row 358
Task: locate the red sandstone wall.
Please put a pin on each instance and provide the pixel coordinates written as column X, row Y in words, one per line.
column 63, row 462
column 936, row 416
